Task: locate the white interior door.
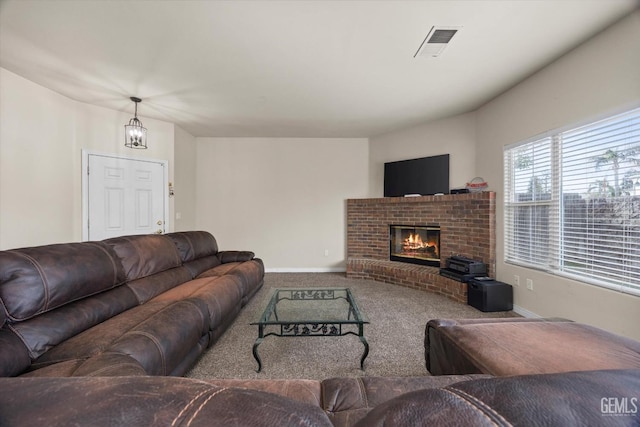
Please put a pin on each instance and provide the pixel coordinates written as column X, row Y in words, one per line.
column 124, row 196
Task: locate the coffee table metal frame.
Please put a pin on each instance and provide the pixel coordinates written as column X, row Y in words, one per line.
column 304, row 325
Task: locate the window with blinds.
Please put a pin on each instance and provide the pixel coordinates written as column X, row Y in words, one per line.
column 572, row 203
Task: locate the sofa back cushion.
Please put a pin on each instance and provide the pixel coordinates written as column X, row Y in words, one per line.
column 198, row 250
column 43, row 332
column 148, row 287
column 194, row 244
column 39, row 279
column 144, row 255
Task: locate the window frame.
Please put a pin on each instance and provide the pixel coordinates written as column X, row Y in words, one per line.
column 556, row 259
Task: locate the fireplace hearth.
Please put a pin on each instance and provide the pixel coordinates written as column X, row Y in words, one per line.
column 415, row 244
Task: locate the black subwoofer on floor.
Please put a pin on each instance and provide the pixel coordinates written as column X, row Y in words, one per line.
column 487, row 294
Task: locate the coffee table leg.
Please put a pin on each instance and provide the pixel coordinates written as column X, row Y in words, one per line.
column 366, row 351
column 256, row 344
column 365, row 343
column 255, row 353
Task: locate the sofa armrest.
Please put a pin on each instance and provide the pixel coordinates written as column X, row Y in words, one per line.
column 235, row 256
column 442, row 352
column 570, row 398
column 524, row 346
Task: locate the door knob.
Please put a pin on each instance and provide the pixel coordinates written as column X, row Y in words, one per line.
column 159, row 231
column 159, row 222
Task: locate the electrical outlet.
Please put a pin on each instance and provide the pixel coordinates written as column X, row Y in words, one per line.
column 530, row 284
column 516, row 280
column 326, row 252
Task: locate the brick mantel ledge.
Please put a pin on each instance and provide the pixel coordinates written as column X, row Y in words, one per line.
column 409, row 275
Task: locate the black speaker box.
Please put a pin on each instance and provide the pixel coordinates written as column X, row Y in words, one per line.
column 487, row 294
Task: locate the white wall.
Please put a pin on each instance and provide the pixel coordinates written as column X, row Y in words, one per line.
column 600, row 77
column 42, row 134
column 454, row 136
column 283, row 198
column 36, row 151
column 185, row 183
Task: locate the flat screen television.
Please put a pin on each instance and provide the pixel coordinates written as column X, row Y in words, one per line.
column 424, row 176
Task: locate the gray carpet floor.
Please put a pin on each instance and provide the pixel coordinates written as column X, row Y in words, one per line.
column 397, row 317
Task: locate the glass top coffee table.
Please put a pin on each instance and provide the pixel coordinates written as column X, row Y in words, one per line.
column 311, row 312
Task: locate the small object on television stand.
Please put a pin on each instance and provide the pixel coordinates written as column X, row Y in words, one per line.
column 413, row 195
column 477, row 185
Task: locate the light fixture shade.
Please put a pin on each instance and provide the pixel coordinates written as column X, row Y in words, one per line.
column 135, row 135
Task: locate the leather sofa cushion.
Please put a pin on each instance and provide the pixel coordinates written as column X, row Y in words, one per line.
column 48, row 330
column 109, row 364
column 144, row 255
column 344, row 393
column 99, row 338
column 194, row 245
column 219, row 270
column 147, row 401
column 185, row 365
column 199, row 252
column 222, row 296
column 197, row 266
column 40, row 279
column 148, row 287
column 524, row 346
column 163, row 340
column 14, row 357
column 103, row 365
column 349, row 399
column 305, row 391
column 235, row 256
column 62, row 369
column 249, row 275
column 565, row 399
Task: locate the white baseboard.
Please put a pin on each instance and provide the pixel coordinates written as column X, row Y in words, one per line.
column 525, row 313
column 306, row 270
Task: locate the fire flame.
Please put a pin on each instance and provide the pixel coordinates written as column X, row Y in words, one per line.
column 415, row 242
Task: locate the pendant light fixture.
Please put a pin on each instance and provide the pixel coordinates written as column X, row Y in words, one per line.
column 135, row 135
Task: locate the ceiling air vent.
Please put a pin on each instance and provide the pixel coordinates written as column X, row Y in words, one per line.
column 435, row 42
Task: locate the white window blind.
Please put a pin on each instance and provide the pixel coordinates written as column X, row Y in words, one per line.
column 572, row 203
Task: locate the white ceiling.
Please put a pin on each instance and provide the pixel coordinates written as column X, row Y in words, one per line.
column 290, row 68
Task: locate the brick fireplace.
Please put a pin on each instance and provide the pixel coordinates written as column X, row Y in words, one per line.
column 467, row 227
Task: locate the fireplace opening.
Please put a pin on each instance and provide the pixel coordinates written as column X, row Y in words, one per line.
column 416, row 244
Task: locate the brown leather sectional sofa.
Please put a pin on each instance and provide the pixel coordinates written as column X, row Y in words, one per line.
column 588, row 398
column 96, row 334
column 133, row 305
